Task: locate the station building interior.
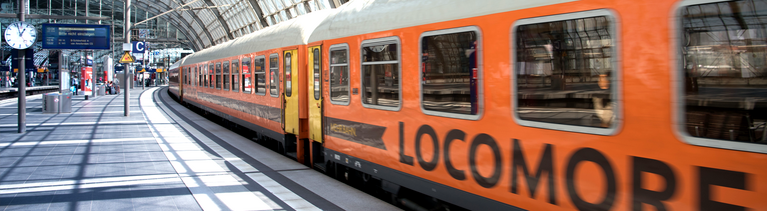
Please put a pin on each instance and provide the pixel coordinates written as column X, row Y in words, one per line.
column 171, row 28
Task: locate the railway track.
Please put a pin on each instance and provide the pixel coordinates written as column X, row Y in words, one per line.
column 6, row 93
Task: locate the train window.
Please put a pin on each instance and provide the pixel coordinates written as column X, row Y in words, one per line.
column 236, row 75
column 219, row 83
column 274, row 81
column 450, row 73
column 199, row 75
column 211, row 73
column 565, row 73
column 317, row 80
column 259, row 83
column 246, row 76
column 225, row 75
column 288, row 80
column 339, row 74
column 381, row 73
column 722, row 70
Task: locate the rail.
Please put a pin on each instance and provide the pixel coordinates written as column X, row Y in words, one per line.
column 6, row 93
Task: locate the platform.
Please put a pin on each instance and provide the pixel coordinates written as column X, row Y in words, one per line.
column 161, row 157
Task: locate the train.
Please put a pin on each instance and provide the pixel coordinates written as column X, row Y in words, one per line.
column 509, row 105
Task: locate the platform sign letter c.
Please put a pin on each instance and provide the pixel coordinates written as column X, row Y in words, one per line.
column 139, row 47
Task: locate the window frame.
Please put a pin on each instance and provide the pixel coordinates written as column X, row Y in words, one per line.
column 235, row 62
column 317, row 69
column 254, row 78
column 211, row 67
column 480, row 80
column 380, row 41
column 218, row 72
column 277, row 70
column 287, row 69
column 616, row 75
column 199, row 76
column 678, row 103
column 226, row 72
column 192, row 76
column 242, row 74
column 330, row 67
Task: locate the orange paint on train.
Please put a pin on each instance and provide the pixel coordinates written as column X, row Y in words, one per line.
column 493, row 154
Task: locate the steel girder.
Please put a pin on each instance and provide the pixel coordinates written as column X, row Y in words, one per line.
column 259, row 13
column 220, row 19
column 185, row 26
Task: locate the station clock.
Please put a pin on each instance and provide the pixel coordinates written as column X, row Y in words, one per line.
column 20, row 35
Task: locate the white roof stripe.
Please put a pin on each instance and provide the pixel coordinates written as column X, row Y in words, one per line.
column 367, row 16
column 293, row 32
column 359, row 17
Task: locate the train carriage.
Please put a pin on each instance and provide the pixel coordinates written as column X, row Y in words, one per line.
column 532, row 105
column 175, row 78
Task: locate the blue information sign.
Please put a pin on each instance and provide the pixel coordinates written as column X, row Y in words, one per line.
column 76, row 36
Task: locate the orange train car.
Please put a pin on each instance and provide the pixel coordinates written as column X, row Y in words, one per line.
column 175, row 80
column 509, row 105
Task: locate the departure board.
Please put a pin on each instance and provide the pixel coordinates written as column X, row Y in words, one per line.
column 76, row 36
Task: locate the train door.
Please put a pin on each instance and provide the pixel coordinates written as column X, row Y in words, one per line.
column 290, row 79
column 315, row 94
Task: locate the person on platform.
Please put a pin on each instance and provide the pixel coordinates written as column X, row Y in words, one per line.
column 73, row 86
column 116, row 84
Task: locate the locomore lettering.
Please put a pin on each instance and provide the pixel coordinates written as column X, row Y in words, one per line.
column 519, row 168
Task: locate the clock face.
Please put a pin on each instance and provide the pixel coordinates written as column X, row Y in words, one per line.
column 20, row 35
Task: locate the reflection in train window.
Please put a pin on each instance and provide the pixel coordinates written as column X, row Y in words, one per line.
column 191, row 75
column 199, row 75
column 210, row 74
column 236, row 75
column 246, row 76
column 186, row 75
column 724, row 59
column 225, row 75
column 218, row 80
column 380, row 78
column 185, row 71
column 287, row 62
column 449, row 72
column 274, row 81
column 564, row 72
column 316, row 68
column 260, row 75
column 339, row 74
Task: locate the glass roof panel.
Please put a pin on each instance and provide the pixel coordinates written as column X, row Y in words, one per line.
column 313, row 5
column 287, row 3
column 278, row 4
column 283, row 15
column 300, row 8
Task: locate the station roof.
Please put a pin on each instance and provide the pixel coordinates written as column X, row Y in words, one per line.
column 211, row 22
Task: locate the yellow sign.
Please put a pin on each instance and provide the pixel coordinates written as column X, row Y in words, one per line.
column 41, row 70
column 142, row 70
column 127, row 58
column 15, row 70
column 159, row 70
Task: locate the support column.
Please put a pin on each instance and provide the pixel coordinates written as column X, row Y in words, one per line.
column 22, row 91
column 126, row 71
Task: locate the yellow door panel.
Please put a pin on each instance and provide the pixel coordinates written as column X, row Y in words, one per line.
column 290, row 78
column 315, row 93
